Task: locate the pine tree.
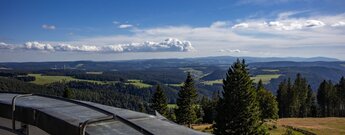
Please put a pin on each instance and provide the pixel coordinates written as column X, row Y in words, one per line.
column 341, row 90
column 311, row 107
column 282, row 98
column 267, row 102
column 300, row 87
column 326, row 98
column 186, row 102
column 237, row 110
column 67, row 93
column 159, row 102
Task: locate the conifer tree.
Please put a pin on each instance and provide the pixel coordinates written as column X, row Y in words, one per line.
column 341, row 90
column 67, row 93
column 267, row 102
column 186, row 102
column 300, row 87
column 159, row 102
column 282, row 98
column 237, row 110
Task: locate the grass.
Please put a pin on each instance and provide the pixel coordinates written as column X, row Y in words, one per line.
column 219, row 81
column 176, row 85
column 139, row 83
column 319, row 126
column 265, row 78
column 203, row 127
column 271, row 70
column 172, row 106
column 94, row 73
column 43, row 79
column 322, row 126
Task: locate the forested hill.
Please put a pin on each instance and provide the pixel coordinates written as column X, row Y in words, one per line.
column 151, row 63
column 207, row 71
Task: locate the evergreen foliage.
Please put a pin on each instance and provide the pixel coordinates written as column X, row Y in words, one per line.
column 238, row 111
column 267, row 103
column 67, row 93
column 297, row 99
column 186, row 102
column 159, row 101
column 209, row 107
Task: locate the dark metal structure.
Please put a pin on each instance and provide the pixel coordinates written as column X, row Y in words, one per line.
column 56, row 115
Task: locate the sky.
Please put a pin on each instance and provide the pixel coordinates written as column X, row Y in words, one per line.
column 106, row 30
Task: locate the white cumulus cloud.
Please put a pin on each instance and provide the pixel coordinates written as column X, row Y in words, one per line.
column 168, row 45
column 38, row 46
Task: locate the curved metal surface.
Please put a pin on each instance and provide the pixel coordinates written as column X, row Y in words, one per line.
column 57, row 115
column 14, row 109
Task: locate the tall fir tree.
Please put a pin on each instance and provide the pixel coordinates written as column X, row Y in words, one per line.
column 159, row 102
column 300, row 87
column 186, row 103
column 282, row 98
column 67, row 93
column 238, row 111
column 267, row 103
column 341, row 91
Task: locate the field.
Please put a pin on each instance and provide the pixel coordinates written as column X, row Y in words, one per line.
column 42, row 79
column 176, row 85
column 319, row 126
column 139, row 83
column 271, row 70
column 219, row 81
column 265, row 79
column 172, row 106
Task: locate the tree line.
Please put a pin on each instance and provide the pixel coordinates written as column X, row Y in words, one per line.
column 298, row 100
column 241, row 108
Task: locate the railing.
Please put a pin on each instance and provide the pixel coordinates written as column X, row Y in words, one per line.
column 83, row 125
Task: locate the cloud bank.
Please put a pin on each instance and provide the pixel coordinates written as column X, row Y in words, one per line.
column 168, row 45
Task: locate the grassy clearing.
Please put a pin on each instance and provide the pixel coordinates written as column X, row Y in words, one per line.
column 219, row 81
column 94, row 73
column 197, row 74
column 279, row 130
column 203, row 127
column 270, row 70
column 265, row 78
column 43, row 79
column 176, row 85
column 172, row 106
column 139, row 83
column 320, row 126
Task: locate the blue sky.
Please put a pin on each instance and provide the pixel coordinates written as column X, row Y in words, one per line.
column 41, row 30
